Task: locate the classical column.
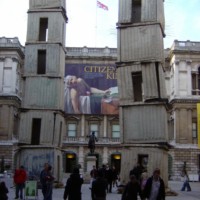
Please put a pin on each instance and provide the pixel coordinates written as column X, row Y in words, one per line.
column 1, row 72
column 81, row 157
column 105, row 126
column 105, row 155
column 83, row 126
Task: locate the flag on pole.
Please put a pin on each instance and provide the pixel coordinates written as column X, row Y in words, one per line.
column 101, row 5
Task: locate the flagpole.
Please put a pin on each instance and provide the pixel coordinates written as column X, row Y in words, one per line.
column 95, row 25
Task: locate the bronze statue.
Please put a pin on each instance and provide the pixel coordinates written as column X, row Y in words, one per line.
column 91, row 143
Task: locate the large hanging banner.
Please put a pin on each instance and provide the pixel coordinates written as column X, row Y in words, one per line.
column 198, row 123
column 91, row 89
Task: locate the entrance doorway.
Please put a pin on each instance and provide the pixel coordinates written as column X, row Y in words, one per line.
column 116, row 161
column 70, row 162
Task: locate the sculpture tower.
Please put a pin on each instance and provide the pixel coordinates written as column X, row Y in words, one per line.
column 143, row 115
column 42, row 119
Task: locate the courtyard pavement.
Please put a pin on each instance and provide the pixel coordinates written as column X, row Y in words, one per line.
column 58, row 193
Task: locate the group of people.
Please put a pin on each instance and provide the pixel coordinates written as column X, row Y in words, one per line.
column 151, row 188
column 102, row 182
column 46, row 180
column 111, row 176
column 104, row 178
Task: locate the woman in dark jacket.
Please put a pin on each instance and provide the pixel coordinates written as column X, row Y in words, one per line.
column 3, row 191
column 99, row 186
column 132, row 189
column 155, row 187
column 73, row 186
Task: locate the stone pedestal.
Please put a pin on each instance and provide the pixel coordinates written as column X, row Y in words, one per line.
column 91, row 161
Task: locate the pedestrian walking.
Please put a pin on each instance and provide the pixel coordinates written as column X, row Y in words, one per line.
column 43, row 179
column 109, row 178
column 20, row 177
column 137, row 171
column 99, row 187
column 93, row 175
column 3, row 191
column 49, row 184
column 186, row 184
column 155, row 187
column 115, row 176
column 132, row 189
column 143, row 181
column 73, row 186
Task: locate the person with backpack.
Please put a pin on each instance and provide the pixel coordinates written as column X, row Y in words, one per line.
column 20, row 177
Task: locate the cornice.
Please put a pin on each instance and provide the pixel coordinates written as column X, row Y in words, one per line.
column 184, row 101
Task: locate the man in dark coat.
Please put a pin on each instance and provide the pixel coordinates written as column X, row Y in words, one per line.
column 137, row 171
column 109, row 177
column 44, row 173
column 132, row 189
column 155, row 187
column 99, row 187
column 73, row 186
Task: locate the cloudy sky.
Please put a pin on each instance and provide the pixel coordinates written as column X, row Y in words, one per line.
column 91, row 26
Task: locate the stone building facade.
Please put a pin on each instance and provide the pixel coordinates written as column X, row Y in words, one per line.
column 182, row 71
column 11, row 68
column 32, row 97
column 105, row 124
column 182, row 62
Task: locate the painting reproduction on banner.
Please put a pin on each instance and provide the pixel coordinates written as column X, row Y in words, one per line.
column 91, row 89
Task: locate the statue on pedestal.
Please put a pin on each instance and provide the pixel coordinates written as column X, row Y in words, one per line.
column 91, row 143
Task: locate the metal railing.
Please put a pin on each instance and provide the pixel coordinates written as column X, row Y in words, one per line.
column 84, row 140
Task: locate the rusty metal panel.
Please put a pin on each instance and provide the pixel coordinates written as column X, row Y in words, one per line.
column 54, row 54
column 160, row 13
column 44, row 93
column 125, row 74
column 56, row 26
column 153, row 11
column 155, row 128
column 24, row 129
column 156, row 157
column 150, row 87
column 51, row 129
column 46, row 4
column 149, row 11
column 125, row 11
column 149, row 36
column 163, row 89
